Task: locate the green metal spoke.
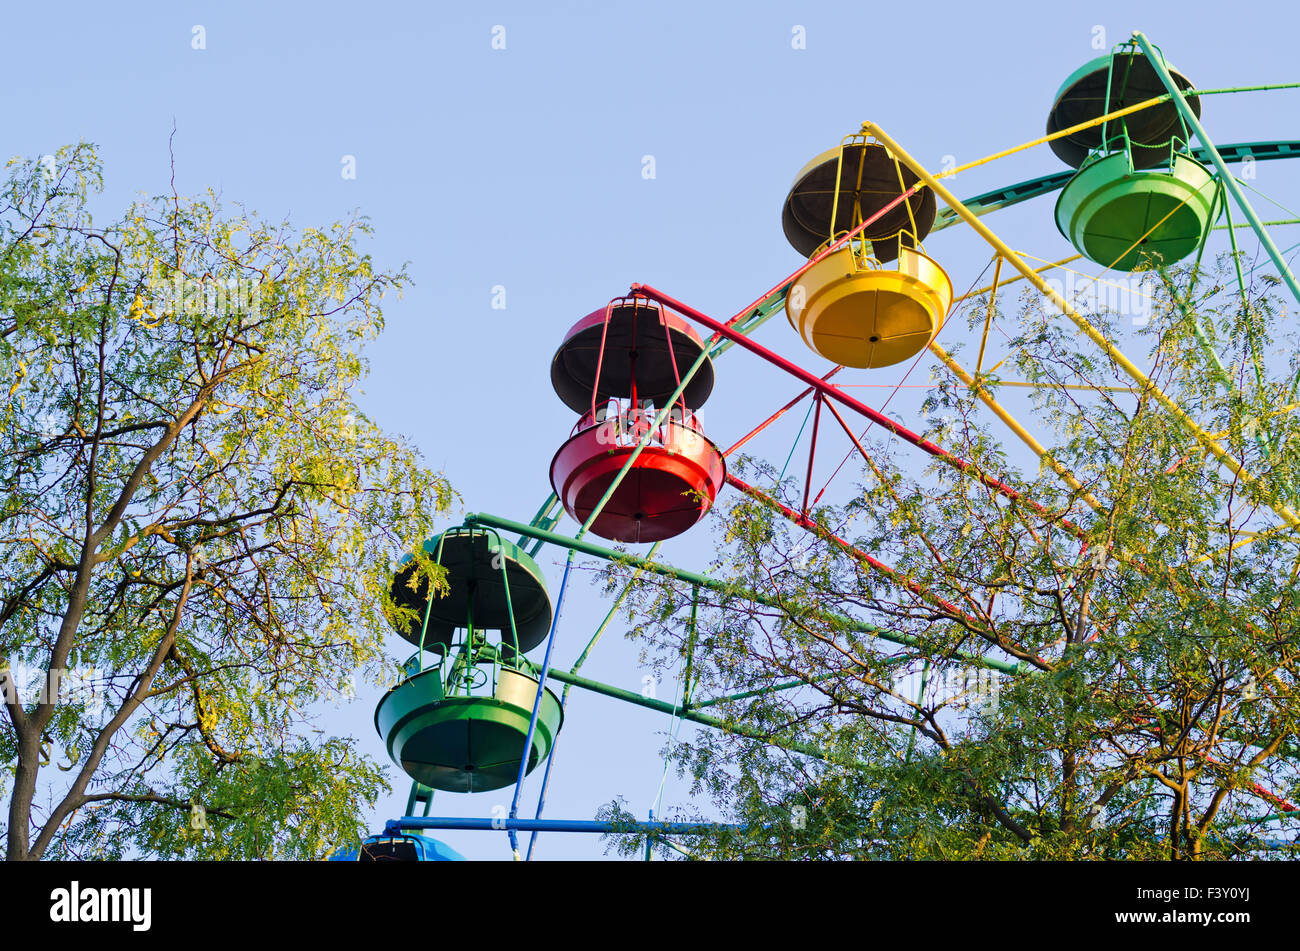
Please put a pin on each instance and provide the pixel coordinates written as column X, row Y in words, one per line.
column 841, row 621
column 1189, row 117
column 999, row 198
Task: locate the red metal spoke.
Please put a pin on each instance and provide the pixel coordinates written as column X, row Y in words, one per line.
column 777, row 415
column 956, row 613
column 828, row 250
column 835, row 393
column 812, row 451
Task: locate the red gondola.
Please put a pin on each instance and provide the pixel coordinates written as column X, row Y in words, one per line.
column 618, row 367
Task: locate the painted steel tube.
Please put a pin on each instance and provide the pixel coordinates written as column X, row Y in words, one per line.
column 713, row 584
column 821, row 386
column 1229, row 182
column 1093, row 334
column 394, row 826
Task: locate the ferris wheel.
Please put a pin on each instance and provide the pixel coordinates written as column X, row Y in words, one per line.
column 477, row 708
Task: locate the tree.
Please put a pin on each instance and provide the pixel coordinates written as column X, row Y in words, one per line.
column 1100, row 669
column 196, row 524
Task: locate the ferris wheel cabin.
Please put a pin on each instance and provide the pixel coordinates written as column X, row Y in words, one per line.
column 849, row 306
column 619, row 367
column 1139, row 198
column 459, row 721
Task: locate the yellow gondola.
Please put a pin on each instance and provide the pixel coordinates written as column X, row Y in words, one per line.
column 853, row 310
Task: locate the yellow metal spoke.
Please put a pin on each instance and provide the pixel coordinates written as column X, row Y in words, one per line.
column 1014, row 425
column 1019, row 277
column 871, row 129
column 1146, row 384
column 988, row 318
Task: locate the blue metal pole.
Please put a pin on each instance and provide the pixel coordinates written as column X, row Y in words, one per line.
column 537, row 707
column 546, row 781
column 394, row 826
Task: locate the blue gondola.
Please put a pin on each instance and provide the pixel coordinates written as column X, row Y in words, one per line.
column 406, row 847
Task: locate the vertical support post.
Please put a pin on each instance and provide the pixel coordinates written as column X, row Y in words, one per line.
column 920, row 698
column 812, row 450
column 988, row 318
column 537, row 706
column 687, row 687
column 419, row 793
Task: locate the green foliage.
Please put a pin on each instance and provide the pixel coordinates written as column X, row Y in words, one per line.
column 198, row 519
column 1148, row 598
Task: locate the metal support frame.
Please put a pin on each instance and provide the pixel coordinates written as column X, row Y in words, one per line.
column 804, row 522
column 736, row 331
column 713, row 584
column 812, row 450
column 1193, row 123
column 1093, row 334
column 837, row 394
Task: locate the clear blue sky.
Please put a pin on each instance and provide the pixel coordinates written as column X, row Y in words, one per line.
column 522, row 167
